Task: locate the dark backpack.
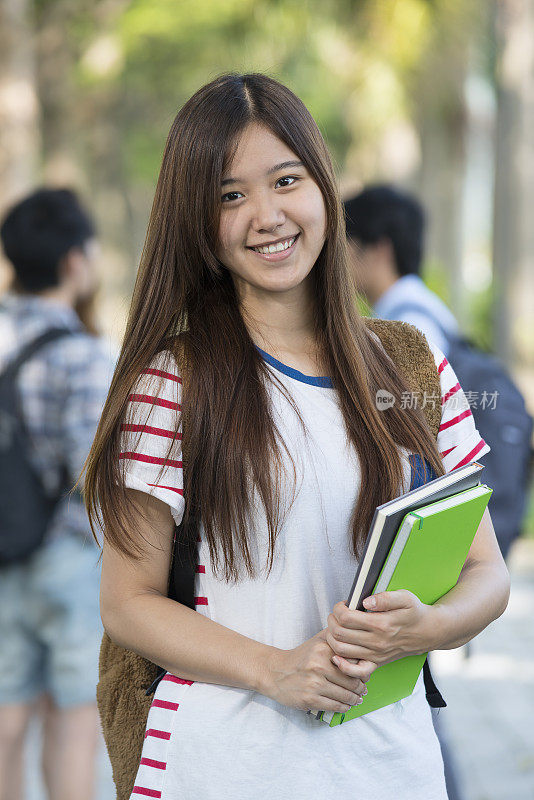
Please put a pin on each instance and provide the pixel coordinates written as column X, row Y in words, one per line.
column 503, row 422
column 25, row 508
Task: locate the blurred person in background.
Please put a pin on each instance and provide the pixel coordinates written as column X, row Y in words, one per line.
column 50, row 626
column 385, row 228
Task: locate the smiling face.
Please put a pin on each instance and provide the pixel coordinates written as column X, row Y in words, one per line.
column 269, row 199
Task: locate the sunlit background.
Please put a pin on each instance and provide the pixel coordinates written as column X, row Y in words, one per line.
column 436, row 95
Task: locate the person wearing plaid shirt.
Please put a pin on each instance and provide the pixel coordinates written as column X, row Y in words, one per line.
column 50, row 625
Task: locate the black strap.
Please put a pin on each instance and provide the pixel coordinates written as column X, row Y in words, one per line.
column 433, row 694
column 182, row 573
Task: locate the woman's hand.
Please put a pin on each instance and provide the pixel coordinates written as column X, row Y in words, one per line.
column 399, row 625
column 305, row 677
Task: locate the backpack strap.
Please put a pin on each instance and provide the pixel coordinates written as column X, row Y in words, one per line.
column 29, row 349
column 433, row 695
column 9, row 373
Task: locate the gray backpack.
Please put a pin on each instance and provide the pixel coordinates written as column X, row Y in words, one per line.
column 500, row 414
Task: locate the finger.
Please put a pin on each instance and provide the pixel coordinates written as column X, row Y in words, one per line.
column 389, row 601
column 353, row 620
column 353, row 651
column 362, row 670
column 346, row 682
column 327, row 704
column 342, row 695
column 348, row 636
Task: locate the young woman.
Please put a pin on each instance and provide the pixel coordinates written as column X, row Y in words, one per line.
column 244, row 394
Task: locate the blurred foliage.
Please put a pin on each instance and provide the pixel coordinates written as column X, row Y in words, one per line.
column 353, row 63
column 361, row 67
column 528, row 523
column 479, row 303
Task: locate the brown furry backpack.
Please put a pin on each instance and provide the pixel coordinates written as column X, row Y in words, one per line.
column 127, row 680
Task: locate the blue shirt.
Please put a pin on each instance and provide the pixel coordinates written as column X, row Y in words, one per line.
column 63, row 388
column 409, row 290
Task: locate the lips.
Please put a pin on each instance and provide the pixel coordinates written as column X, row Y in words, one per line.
column 280, row 255
column 277, row 241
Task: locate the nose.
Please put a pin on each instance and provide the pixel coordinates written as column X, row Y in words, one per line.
column 267, row 214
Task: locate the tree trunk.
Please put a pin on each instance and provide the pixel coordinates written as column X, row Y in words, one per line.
column 442, row 123
column 441, row 184
column 514, row 183
column 19, row 127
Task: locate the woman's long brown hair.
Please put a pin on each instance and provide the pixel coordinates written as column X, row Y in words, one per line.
column 184, row 303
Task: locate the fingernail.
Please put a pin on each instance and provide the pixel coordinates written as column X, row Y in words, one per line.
column 369, row 602
column 360, row 701
column 365, row 691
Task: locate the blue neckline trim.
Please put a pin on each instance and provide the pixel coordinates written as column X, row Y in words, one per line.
column 323, row 381
column 421, row 471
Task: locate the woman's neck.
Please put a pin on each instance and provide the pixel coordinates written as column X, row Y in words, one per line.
column 284, row 328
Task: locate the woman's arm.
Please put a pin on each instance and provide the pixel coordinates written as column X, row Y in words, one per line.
column 403, row 625
column 137, row 614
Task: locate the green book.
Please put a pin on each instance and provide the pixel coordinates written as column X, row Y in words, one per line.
column 426, row 557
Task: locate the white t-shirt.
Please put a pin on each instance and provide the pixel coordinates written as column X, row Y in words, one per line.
column 211, row 741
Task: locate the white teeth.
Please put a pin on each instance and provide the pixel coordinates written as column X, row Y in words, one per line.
column 275, row 248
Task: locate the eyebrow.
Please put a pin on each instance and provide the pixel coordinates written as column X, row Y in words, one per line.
column 276, row 168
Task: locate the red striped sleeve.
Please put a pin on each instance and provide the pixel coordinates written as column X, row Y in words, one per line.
column 162, row 374
column 142, row 790
column 455, row 420
column 154, row 401
column 455, row 388
column 128, row 426
column 151, row 459
column 158, row 734
column 470, row 456
column 175, row 679
column 151, row 762
column 170, row 488
column 165, row 704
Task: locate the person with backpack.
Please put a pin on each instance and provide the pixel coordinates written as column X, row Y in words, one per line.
column 385, row 226
column 54, row 377
column 241, row 423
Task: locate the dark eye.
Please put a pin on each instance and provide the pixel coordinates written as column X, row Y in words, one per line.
column 228, row 198
column 287, row 178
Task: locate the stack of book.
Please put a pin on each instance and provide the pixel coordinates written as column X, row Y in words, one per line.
column 420, row 542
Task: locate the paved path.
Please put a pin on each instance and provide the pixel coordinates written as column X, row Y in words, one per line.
column 490, row 695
